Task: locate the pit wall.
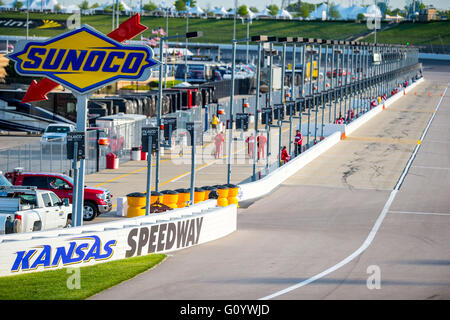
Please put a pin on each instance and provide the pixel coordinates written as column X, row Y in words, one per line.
column 257, row 189
column 92, row 244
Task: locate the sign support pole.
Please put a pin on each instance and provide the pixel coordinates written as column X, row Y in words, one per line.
column 79, row 182
column 75, row 179
column 192, row 167
column 149, row 176
column 258, row 80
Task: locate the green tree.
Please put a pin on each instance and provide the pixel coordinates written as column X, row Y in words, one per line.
column 273, row 9
column 333, row 12
column 1, row 3
column 150, row 6
column 95, row 5
column 243, row 11
column 84, row 5
column 254, row 9
column 18, row 5
column 180, row 5
column 360, row 17
column 304, row 11
column 57, row 7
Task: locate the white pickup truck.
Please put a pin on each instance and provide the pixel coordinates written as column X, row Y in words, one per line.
column 27, row 209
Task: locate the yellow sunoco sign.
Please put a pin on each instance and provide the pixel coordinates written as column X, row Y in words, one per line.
column 84, row 60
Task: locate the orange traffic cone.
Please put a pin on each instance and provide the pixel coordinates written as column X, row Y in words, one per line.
column 429, row 94
column 415, row 93
column 384, row 107
column 404, row 92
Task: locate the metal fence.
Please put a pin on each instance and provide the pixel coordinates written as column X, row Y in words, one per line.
column 52, row 156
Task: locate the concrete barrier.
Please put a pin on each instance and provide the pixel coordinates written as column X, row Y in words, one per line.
column 355, row 124
column 254, row 190
column 257, row 189
column 92, row 244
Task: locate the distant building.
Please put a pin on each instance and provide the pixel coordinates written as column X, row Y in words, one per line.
column 428, row 14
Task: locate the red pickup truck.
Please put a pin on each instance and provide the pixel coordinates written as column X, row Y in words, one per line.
column 96, row 200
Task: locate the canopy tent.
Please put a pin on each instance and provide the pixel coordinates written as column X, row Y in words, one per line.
column 264, row 13
column 41, row 4
column 251, row 15
column 10, row 5
column 318, row 12
column 196, row 10
column 372, row 11
column 70, row 9
column 220, row 11
column 126, row 8
column 283, row 14
column 346, row 13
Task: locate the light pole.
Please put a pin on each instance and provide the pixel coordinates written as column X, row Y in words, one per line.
column 185, row 54
column 194, row 34
column 284, row 41
column 260, row 40
column 230, row 124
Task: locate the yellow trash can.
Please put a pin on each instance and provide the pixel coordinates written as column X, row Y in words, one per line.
column 232, row 194
column 170, row 198
column 156, row 196
column 136, row 201
column 222, row 201
column 184, row 197
column 199, row 195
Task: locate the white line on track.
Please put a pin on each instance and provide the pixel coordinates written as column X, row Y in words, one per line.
column 375, row 228
column 424, row 213
column 435, row 168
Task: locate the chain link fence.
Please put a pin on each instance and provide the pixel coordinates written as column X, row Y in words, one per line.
column 51, row 156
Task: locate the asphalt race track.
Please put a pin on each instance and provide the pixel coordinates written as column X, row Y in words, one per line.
column 336, row 227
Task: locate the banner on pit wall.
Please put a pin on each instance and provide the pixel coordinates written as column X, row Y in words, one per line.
column 33, row 24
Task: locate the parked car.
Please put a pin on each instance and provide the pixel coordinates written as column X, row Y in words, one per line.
column 57, row 132
column 27, row 209
column 96, row 200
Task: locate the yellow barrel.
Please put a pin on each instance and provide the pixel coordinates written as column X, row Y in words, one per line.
column 184, row 197
column 232, row 194
column 156, row 196
column 199, row 195
column 136, row 204
column 222, row 201
column 207, row 190
column 170, row 198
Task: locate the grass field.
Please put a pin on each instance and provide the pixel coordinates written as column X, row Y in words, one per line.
column 435, row 33
column 214, row 31
column 53, row 285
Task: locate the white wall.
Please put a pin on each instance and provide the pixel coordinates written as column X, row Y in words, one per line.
column 131, row 237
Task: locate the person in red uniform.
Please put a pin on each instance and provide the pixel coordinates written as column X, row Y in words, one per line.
column 340, row 120
column 284, row 155
column 298, row 142
column 250, row 145
column 218, row 140
column 261, row 143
